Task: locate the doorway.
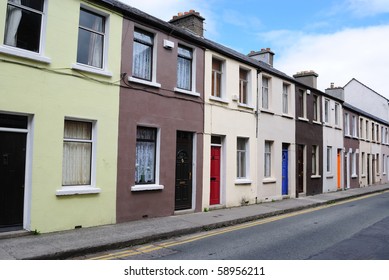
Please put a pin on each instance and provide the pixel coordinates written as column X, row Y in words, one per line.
column 12, row 170
column 285, row 169
column 184, row 165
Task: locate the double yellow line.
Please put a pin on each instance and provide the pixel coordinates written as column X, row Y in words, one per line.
column 160, row 246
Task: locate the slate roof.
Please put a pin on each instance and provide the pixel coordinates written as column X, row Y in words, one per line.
column 144, row 18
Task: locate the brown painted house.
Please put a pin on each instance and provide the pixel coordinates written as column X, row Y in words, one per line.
column 161, row 119
column 309, row 135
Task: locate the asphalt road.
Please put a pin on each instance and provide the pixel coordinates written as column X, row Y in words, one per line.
column 357, row 229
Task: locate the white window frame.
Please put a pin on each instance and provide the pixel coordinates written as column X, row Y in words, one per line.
column 316, row 160
column 103, row 71
column 35, row 56
column 361, row 130
column 354, row 127
column 285, row 98
column 83, row 189
column 222, row 73
column 329, row 159
column 347, row 124
column 193, row 90
column 156, row 185
column 363, row 156
column 268, row 94
column 303, row 115
column 354, row 165
column 337, row 114
column 316, row 108
column 245, row 90
column 268, row 153
column 153, row 82
column 239, row 153
column 327, row 111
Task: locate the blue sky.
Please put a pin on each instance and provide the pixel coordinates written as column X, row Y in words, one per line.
column 340, row 40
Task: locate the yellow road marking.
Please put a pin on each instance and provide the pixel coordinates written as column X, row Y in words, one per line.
column 160, row 246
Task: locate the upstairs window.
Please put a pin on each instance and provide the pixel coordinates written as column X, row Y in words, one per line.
column 217, row 74
column 316, row 108
column 285, row 99
column 142, row 55
column 184, row 68
column 91, row 36
column 327, row 111
column 302, row 99
column 23, row 24
column 243, row 86
column 265, row 92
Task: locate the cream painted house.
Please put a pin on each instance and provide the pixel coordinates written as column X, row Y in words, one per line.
column 276, row 135
column 230, row 139
column 60, row 63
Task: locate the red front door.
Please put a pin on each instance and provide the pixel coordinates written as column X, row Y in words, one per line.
column 215, row 176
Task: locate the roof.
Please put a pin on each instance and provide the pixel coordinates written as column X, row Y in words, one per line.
column 144, row 18
column 361, row 112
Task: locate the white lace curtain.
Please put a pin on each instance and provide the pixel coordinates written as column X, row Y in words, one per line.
column 14, row 16
column 145, row 155
column 142, row 55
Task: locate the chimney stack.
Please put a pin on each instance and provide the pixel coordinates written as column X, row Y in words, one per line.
column 264, row 55
column 337, row 92
column 308, row 78
column 191, row 21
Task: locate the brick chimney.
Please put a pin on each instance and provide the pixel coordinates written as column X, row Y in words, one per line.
column 190, row 20
column 264, row 55
column 308, row 78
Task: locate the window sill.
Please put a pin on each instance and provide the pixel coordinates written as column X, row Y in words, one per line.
column 303, row 119
column 245, row 106
column 330, row 176
column 315, row 176
column 269, row 180
column 144, row 82
column 243, row 182
column 354, row 176
column 266, row 111
column 193, row 93
column 287, row 116
column 218, row 99
column 317, row 122
column 151, row 187
column 25, row 54
column 76, row 190
column 363, row 176
column 92, row 70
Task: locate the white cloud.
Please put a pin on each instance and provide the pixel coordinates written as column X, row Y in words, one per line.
column 363, row 8
column 352, row 53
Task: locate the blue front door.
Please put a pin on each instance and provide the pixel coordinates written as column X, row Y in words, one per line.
column 284, row 172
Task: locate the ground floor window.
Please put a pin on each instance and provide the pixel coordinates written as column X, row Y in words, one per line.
column 77, row 153
column 146, row 143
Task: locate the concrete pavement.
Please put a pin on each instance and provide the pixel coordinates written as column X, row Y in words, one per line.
column 66, row 244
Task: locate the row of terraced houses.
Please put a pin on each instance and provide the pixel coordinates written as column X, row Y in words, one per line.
column 110, row 115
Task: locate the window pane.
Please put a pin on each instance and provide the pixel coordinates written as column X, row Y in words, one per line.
column 76, row 165
column 142, row 61
column 22, row 29
column 90, row 48
column 145, row 156
column 144, row 37
column 78, row 130
column 34, row 4
column 184, row 73
column 91, row 21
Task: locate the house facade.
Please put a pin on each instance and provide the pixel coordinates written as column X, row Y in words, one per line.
column 58, row 114
column 276, row 131
column 309, row 135
column 161, row 120
column 229, row 130
column 333, row 141
column 373, row 131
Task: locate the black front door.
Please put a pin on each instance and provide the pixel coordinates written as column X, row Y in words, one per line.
column 300, row 170
column 12, row 175
column 184, row 155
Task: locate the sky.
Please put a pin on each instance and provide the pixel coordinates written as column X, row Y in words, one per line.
column 338, row 39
